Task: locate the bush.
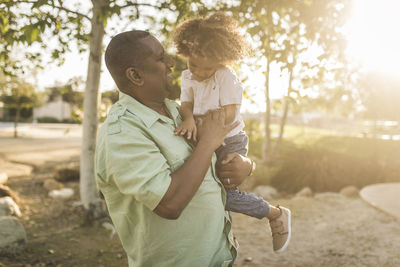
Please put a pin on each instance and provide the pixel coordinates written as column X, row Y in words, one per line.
column 323, row 161
column 333, row 162
column 48, row 119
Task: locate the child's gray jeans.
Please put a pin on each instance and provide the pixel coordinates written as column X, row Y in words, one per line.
column 239, row 201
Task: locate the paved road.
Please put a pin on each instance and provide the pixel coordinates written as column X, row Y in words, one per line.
column 384, row 196
column 40, row 143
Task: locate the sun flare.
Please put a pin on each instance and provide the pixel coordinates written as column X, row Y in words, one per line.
column 373, row 34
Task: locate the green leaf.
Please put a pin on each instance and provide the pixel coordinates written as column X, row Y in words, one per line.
column 34, row 35
column 39, row 3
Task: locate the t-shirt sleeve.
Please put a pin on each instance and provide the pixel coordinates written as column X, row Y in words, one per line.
column 230, row 88
column 138, row 167
column 186, row 89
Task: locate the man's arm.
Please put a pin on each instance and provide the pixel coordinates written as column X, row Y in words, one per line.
column 187, row 179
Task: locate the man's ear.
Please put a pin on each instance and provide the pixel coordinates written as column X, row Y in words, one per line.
column 135, row 76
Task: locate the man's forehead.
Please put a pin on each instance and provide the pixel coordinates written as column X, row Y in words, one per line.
column 152, row 45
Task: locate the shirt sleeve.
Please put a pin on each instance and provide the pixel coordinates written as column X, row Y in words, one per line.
column 186, row 89
column 138, row 167
column 230, row 88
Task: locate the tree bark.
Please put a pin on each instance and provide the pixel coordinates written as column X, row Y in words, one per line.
column 284, row 118
column 267, row 139
column 88, row 188
column 16, row 120
column 266, row 151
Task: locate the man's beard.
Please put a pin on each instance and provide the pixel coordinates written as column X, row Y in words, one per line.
column 168, row 87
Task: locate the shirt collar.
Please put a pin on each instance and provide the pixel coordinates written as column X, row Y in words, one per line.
column 146, row 114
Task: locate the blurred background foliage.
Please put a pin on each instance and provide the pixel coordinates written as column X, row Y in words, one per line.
column 324, row 160
column 335, row 125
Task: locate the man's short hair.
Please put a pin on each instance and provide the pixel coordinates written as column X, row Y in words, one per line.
column 125, row 50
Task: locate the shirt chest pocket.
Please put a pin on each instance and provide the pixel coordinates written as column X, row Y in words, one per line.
column 176, row 151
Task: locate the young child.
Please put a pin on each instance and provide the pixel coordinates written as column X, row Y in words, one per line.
column 210, row 45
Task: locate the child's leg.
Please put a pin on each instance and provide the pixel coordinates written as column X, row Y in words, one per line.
column 246, row 203
column 249, row 204
column 237, row 201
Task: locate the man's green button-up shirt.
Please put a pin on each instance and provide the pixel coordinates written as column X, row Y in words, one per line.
column 136, row 153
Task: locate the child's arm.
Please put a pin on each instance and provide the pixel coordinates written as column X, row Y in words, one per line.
column 230, row 113
column 188, row 125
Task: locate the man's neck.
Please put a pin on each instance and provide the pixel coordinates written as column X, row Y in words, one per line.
column 156, row 105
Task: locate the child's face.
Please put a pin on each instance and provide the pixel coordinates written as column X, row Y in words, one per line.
column 202, row 68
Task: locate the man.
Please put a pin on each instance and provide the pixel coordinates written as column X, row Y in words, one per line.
column 162, row 193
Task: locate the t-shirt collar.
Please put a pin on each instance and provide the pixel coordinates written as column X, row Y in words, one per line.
column 191, row 77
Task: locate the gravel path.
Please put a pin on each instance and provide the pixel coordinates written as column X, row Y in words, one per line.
column 326, row 231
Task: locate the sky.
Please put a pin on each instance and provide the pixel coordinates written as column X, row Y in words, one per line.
column 373, row 40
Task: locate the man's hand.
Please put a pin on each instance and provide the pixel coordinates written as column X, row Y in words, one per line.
column 188, row 128
column 186, row 180
column 233, row 169
column 211, row 128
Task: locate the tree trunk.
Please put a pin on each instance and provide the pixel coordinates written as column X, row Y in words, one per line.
column 16, row 120
column 284, row 118
column 88, row 188
column 267, row 139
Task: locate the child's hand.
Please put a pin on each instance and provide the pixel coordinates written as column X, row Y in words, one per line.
column 188, row 128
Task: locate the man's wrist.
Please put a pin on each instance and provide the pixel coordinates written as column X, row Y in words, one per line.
column 205, row 146
column 253, row 167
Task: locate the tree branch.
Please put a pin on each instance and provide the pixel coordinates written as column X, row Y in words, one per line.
column 54, row 6
column 73, row 12
column 130, row 4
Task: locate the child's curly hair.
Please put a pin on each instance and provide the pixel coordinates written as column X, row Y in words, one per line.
column 215, row 37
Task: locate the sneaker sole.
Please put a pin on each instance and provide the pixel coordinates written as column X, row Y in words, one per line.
column 289, row 233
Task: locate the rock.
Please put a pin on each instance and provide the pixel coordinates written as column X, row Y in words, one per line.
column 51, row 184
column 109, row 227
column 266, row 192
column 62, row 193
column 9, row 207
column 248, row 259
column 350, row 191
column 5, row 191
column 12, row 235
column 305, row 192
column 69, row 173
column 3, row 178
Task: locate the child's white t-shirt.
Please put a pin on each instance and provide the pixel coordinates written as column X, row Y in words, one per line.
column 221, row 89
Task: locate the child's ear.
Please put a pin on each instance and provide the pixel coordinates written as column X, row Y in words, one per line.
column 135, row 76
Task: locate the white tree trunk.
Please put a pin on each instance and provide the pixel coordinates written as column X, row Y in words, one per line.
column 88, row 188
column 286, row 107
column 267, row 139
column 266, row 150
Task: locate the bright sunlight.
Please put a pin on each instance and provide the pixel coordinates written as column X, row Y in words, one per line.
column 374, row 37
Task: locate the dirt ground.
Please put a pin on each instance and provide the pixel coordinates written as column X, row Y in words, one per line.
column 330, row 230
